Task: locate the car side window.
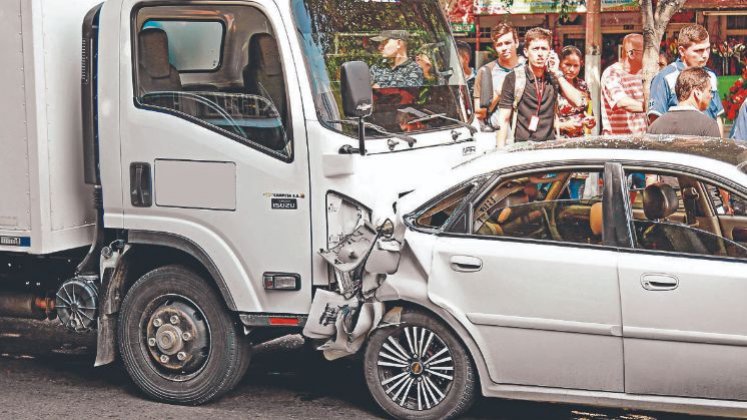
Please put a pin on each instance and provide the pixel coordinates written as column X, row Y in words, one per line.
column 223, row 72
column 670, row 213
column 561, row 206
column 727, row 203
column 438, row 213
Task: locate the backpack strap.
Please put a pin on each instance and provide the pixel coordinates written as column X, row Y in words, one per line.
column 519, row 85
column 485, row 77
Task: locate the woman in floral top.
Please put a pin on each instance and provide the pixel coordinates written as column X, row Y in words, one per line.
column 572, row 121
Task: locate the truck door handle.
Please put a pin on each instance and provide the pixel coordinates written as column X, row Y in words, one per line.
column 465, row 264
column 140, row 184
column 659, row 282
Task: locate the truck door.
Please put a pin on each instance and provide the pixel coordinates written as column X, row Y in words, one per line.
column 213, row 144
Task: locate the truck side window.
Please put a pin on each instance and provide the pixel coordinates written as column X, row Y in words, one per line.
column 223, row 72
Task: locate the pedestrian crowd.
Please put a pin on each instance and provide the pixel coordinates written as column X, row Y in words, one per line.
column 540, row 96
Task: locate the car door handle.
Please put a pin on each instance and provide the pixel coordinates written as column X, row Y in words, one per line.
column 465, row 264
column 659, row 282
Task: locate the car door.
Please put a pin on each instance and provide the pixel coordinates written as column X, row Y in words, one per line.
column 207, row 145
column 683, row 293
column 538, row 287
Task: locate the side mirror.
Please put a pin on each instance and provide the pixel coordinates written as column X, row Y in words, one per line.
column 357, row 95
column 486, row 87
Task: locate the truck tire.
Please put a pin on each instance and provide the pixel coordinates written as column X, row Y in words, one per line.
column 419, row 369
column 178, row 341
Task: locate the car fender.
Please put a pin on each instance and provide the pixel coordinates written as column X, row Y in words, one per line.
column 409, row 287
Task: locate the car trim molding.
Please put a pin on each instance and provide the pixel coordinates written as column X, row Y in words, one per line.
column 545, row 324
column 684, row 336
column 691, row 406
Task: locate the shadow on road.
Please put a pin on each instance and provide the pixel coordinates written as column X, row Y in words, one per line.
column 284, row 381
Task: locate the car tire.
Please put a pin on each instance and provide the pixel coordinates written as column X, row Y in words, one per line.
column 441, row 393
column 178, row 341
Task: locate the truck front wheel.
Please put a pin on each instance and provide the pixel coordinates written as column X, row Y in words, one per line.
column 177, row 340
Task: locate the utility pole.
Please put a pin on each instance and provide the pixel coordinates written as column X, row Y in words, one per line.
column 593, row 57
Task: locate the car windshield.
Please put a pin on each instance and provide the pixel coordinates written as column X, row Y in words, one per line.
column 416, row 75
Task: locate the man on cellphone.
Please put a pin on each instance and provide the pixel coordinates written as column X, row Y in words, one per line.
column 530, row 92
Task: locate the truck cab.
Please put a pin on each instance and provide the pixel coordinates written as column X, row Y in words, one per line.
column 216, row 137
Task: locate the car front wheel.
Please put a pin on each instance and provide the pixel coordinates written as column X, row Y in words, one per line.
column 177, row 340
column 419, row 369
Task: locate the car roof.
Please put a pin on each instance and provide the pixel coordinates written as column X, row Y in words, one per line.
column 707, row 152
column 724, row 150
column 724, row 157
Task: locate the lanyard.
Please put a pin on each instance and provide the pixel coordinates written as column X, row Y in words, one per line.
column 540, row 91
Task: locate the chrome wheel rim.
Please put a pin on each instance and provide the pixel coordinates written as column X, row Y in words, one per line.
column 416, row 368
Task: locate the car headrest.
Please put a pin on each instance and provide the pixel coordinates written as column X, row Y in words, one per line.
column 595, row 219
column 659, row 201
column 154, row 52
column 264, row 55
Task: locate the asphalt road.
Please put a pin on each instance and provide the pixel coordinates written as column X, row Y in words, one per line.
column 48, row 373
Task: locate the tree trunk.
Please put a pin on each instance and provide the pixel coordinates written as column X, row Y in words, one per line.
column 654, row 27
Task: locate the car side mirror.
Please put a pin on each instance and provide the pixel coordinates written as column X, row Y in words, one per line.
column 486, row 87
column 357, row 95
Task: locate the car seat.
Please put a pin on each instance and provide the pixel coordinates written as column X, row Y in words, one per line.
column 263, row 75
column 596, row 221
column 155, row 73
column 659, row 202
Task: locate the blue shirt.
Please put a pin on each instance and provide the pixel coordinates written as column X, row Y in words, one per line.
column 739, row 131
column 663, row 96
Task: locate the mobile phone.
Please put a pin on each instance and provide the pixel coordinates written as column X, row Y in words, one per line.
column 552, row 59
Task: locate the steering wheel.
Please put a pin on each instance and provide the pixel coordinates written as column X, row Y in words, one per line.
column 549, row 219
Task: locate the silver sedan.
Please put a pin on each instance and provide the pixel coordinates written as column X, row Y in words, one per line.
column 608, row 272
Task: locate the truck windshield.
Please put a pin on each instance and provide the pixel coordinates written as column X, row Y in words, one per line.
column 415, row 69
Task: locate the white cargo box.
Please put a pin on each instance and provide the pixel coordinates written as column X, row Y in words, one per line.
column 45, row 206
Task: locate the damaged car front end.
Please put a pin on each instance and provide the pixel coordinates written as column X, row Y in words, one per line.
column 377, row 305
column 349, row 312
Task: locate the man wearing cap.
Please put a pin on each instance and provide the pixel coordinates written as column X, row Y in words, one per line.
column 397, row 70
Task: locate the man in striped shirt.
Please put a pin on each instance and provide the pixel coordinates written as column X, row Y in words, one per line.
column 622, row 91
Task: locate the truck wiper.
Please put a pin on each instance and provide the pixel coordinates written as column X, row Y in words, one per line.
column 429, row 117
column 410, row 140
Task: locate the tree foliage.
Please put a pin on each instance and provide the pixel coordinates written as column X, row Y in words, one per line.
column 654, row 27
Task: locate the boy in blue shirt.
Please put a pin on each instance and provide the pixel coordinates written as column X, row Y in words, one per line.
column 694, row 47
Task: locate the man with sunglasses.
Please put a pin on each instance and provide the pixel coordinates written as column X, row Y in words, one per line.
column 622, row 91
column 694, row 46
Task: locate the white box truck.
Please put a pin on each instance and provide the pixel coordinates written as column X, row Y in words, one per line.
column 171, row 168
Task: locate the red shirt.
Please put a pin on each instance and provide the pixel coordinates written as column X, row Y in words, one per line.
column 617, row 84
